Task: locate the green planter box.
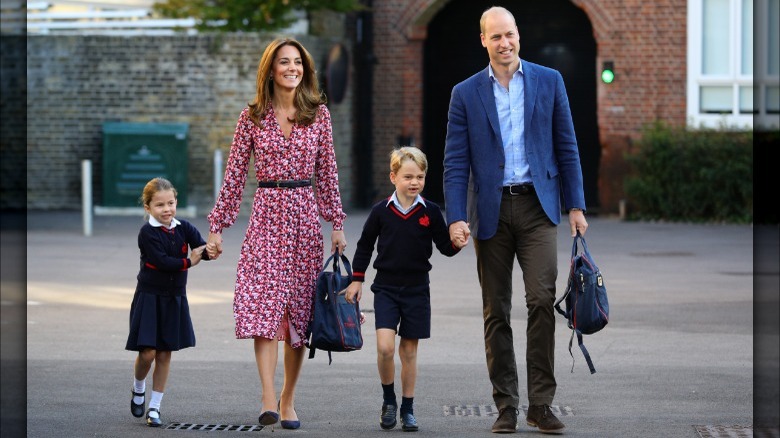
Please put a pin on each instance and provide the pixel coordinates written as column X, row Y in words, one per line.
column 134, row 153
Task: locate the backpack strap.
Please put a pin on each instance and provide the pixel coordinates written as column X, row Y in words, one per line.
column 568, row 282
column 562, row 298
column 584, row 351
column 314, row 350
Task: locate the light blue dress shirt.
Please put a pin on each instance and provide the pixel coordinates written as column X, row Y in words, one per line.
column 511, row 117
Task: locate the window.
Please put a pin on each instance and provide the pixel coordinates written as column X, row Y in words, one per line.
column 733, row 63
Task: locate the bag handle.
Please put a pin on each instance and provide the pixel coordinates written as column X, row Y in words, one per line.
column 332, row 283
column 585, row 252
column 336, row 268
column 579, row 237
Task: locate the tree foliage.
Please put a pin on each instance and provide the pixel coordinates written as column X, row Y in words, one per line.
column 247, row 15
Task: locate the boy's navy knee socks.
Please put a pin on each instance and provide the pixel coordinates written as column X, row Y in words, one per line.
column 388, row 392
column 407, row 405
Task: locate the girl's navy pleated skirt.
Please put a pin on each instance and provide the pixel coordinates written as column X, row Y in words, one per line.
column 161, row 322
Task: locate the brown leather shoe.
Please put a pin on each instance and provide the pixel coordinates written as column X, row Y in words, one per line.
column 506, row 421
column 541, row 417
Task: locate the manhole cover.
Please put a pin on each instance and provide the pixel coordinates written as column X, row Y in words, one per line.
column 215, row 427
column 720, row 431
column 492, row 411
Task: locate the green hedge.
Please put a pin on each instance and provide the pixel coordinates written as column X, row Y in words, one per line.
column 699, row 176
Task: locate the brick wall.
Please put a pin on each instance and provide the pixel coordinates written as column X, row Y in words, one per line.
column 647, row 43
column 398, row 97
column 75, row 83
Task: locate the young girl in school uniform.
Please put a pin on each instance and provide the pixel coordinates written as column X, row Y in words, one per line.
column 159, row 315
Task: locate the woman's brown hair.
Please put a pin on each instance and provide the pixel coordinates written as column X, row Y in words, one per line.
column 307, row 95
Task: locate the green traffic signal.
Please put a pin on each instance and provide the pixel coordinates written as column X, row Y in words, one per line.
column 607, row 76
column 608, row 72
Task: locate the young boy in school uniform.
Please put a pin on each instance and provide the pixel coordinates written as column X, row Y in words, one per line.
column 404, row 227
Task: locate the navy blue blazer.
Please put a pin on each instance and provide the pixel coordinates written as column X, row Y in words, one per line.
column 474, row 152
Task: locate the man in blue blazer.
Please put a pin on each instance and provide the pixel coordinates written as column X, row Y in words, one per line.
column 510, row 159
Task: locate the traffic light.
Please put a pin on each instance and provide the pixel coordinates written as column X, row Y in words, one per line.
column 608, row 72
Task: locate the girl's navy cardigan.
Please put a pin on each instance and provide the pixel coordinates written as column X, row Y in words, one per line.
column 164, row 261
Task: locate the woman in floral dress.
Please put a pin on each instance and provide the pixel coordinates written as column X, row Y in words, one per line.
column 287, row 131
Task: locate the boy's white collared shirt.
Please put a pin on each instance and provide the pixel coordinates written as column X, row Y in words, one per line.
column 394, row 199
column 155, row 223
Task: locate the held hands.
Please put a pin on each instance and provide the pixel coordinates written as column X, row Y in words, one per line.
column 214, row 245
column 196, row 255
column 459, row 233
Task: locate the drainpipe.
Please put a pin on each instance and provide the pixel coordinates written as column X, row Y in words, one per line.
column 364, row 72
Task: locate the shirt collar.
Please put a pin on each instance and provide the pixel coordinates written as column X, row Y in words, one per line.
column 492, row 75
column 394, row 200
column 155, row 223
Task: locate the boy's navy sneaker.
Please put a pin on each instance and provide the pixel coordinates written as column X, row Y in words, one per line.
column 408, row 422
column 387, row 419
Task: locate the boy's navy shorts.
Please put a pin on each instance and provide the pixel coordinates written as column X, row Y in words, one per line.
column 405, row 309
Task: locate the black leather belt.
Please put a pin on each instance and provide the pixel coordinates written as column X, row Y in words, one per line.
column 287, row 184
column 518, row 189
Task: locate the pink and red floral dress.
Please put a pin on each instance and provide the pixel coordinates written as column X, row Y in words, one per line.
column 282, row 252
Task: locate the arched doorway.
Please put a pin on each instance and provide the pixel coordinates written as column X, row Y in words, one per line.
column 554, row 33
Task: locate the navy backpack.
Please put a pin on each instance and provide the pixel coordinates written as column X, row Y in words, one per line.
column 335, row 323
column 587, row 308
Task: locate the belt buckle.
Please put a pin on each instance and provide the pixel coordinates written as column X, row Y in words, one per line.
column 523, row 189
column 278, row 184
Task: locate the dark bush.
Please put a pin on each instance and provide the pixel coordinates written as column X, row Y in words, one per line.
column 698, row 176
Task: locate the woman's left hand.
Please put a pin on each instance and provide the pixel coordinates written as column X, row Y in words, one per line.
column 337, row 241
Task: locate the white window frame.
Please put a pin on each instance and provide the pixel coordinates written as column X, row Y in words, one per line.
column 735, row 79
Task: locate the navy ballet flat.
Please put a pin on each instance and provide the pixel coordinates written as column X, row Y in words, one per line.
column 291, row 424
column 288, row 424
column 268, row 418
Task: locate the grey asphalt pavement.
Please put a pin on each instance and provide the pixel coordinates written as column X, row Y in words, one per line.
column 678, row 358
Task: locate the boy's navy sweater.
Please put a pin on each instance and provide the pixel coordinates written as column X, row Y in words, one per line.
column 404, row 245
column 164, row 260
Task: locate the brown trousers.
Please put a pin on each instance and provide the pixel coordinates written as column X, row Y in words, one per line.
column 524, row 232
